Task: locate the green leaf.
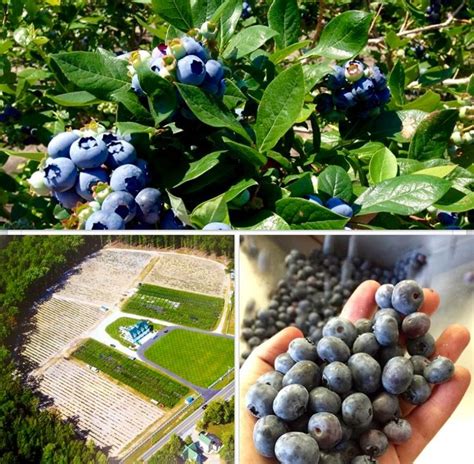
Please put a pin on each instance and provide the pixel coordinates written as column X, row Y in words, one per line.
column 437, row 171
column 237, row 189
column 200, row 167
column 35, row 156
column 209, row 110
column 179, row 208
column 214, row 210
column 305, row 214
column 428, row 102
column 202, row 10
column 247, row 41
column 301, row 186
column 280, row 55
column 127, row 128
column 97, row 73
column 127, row 97
column 75, row 99
column 228, row 21
column 280, row 159
column 313, row 74
column 284, row 17
column 396, row 83
column 344, row 36
column 404, row 195
column 280, row 106
column 383, row 165
column 175, row 12
column 432, row 135
column 264, row 220
column 246, row 154
column 60, row 213
column 456, row 201
column 335, row 182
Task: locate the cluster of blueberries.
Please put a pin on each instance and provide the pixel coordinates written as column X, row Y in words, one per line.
column 433, row 11
column 418, row 51
column 314, row 289
column 185, row 60
column 9, row 113
column 335, row 398
column 246, row 10
column 357, row 92
column 334, row 204
column 100, row 177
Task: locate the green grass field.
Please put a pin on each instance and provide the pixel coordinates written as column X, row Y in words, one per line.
column 199, row 358
column 184, row 308
column 132, row 373
column 113, row 329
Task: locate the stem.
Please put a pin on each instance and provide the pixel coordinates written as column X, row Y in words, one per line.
column 375, row 18
column 319, row 25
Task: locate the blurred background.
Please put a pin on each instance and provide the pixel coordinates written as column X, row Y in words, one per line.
column 311, row 277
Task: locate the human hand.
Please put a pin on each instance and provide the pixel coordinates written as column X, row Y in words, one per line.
column 426, row 420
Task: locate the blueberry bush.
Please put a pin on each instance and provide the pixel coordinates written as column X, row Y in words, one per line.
column 277, row 114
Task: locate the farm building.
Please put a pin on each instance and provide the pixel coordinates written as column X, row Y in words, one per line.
column 192, row 453
column 209, row 442
column 136, row 332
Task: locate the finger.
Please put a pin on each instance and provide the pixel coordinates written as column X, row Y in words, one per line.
column 361, row 303
column 427, row 420
column 430, row 301
column 450, row 344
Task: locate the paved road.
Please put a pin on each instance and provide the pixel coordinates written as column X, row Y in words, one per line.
column 185, row 425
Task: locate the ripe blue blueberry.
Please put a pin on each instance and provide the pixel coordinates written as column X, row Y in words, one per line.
column 357, row 410
column 397, row 375
column 315, row 199
column 101, row 220
column 306, row 373
column 386, row 407
column 423, row 346
column 388, row 312
column 170, row 221
column 326, row 429
column 344, row 99
column 266, row 432
column 217, row 226
column 333, row 202
column 384, row 96
column 191, row 70
column 373, row 442
column 440, row 370
column 88, row 152
column 128, row 178
column 121, row 203
column 60, row 174
column 324, row 103
column 398, row 431
column 419, row 363
column 386, row 330
column 284, row 362
column 416, row 325
column 363, row 89
column 272, row 378
column 87, row 179
column 120, row 152
column 193, row 47
column 337, row 377
column 363, row 459
column 109, row 137
column 363, row 325
column 383, row 296
column 343, row 210
column 336, row 80
column 378, row 78
column 60, row 144
column 297, row 448
column 418, row 392
column 143, row 165
column 342, row 328
column 68, row 199
column 259, row 399
column 302, row 349
column 213, row 77
column 150, row 203
column 332, row 349
column 366, row 343
column 366, row 372
column 137, row 88
column 407, row 297
column 321, row 399
column 290, row 402
column 447, row 219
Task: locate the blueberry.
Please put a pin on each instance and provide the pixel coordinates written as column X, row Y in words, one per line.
column 336, row 80
column 272, row 378
column 332, row 349
column 259, row 399
column 353, row 70
column 418, row 392
column 419, row 363
column 108, row 137
column 143, row 165
column 388, row 352
column 149, row 205
column 386, row 407
column 315, row 199
column 324, row 103
column 170, row 221
column 128, row 178
column 104, row 221
column 397, row 375
column 284, row 362
column 423, row 346
column 302, row 349
column 388, row 312
column 357, row 410
column 59, row 174
column 214, row 74
column 337, row 377
column 447, row 219
column 384, row 96
column 386, row 330
column 383, row 296
column 363, row 89
column 365, row 371
column 378, row 78
column 326, row 429
column 88, row 152
column 344, row 99
column 398, row 431
column 266, row 432
column 217, row 226
column 363, row 326
column 120, row 152
column 416, row 325
column 440, row 370
column 121, row 203
column 60, row 144
column 297, row 448
column 193, row 47
column 137, row 88
column 68, row 199
column 363, row 459
column 333, row 202
column 342, row 328
column 304, row 373
column 407, row 297
column 366, row 343
column 191, row 70
column 88, row 179
column 321, row 399
column 373, row 442
column 290, row 402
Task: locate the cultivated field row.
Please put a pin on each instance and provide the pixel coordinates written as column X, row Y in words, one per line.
column 113, row 415
column 188, row 273
column 57, row 323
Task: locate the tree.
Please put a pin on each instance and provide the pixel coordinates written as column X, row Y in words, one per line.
column 227, row 452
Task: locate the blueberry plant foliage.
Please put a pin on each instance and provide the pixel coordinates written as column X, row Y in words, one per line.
column 292, row 135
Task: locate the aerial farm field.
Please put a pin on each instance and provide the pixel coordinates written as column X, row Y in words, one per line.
column 203, row 358
column 180, row 307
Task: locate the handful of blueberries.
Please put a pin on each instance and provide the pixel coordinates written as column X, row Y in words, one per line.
column 357, row 92
column 335, row 399
column 100, row 178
